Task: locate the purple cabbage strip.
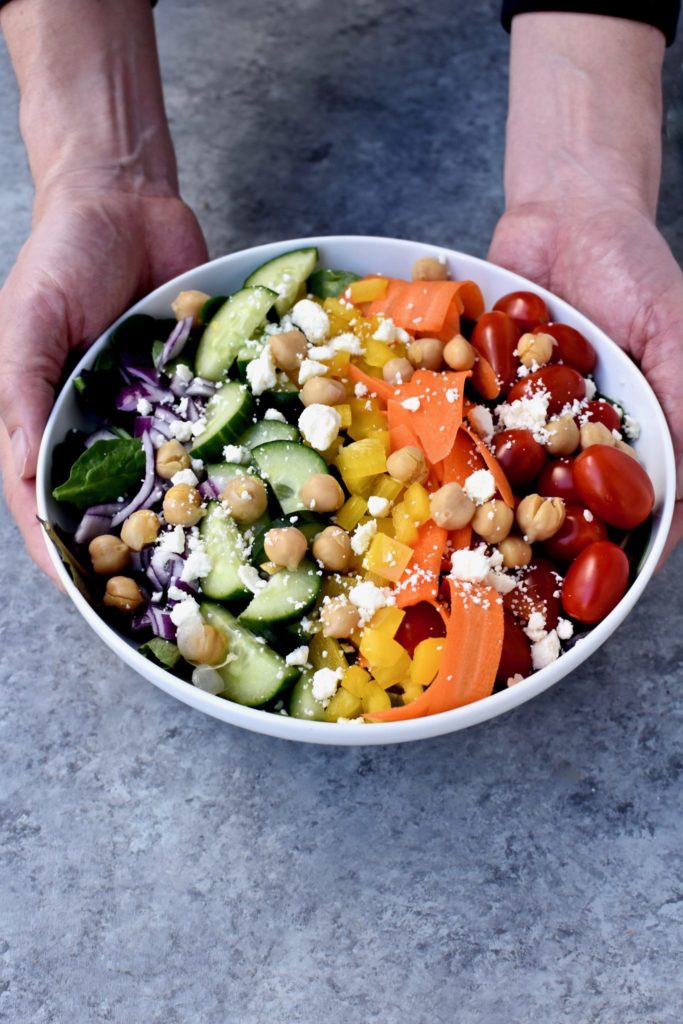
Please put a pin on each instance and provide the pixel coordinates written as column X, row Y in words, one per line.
column 200, row 388
column 175, row 343
column 145, row 488
column 208, row 490
column 100, row 435
column 128, row 398
column 91, row 526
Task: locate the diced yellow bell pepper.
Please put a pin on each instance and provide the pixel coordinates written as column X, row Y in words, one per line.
column 351, row 512
column 325, row 652
column 411, row 691
column 387, row 487
column 366, row 418
column 335, row 308
column 387, row 620
column 343, row 705
column 378, row 353
column 376, row 699
column 330, row 454
column 345, row 413
column 386, row 526
column 356, row 680
column 363, row 458
column 405, row 530
column 387, row 557
column 366, row 290
column 417, row 503
column 393, row 675
column 426, row 660
column 339, row 364
column 380, row 650
column 372, row 577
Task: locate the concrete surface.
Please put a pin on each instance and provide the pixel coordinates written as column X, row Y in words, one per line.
column 158, row 866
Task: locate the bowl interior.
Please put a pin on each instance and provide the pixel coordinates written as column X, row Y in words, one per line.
column 617, row 376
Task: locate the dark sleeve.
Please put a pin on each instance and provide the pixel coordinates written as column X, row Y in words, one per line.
column 663, row 14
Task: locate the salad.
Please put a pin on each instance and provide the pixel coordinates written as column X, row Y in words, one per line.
column 343, row 498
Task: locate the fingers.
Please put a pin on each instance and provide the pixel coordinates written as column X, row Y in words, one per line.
column 675, row 534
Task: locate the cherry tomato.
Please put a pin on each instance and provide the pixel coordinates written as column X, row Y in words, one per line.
column 516, row 656
column 538, row 590
column 520, row 455
column 614, row 486
column 571, row 347
column 525, row 308
column 420, row 622
column 557, row 481
column 575, row 534
column 600, row 411
column 595, row 582
column 495, row 336
column 564, row 384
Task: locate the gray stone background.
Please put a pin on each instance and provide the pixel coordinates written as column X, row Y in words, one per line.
column 158, row 866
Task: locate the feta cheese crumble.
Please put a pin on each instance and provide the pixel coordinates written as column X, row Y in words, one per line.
column 526, row 414
column 591, row 389
column 181, row 430
column 236, row 453
column 369, row 598
column 480, row 486
column 535, row 628
column 390, row 333
column 360, row 390
column 249, row 576
column 473, row 566
column 319, row 425
column 411, row 404
column 274, row 414
column 564, row 629
column 378, row 506
column 261, row 372
column 298, row 657
column 362, row 537
column 197, row 565
column 144, row 406
column 324, row 684
column 311, row 368
column 348, row 342
column 481, row 419
column 312, row 319
column 631, row 427
column 172, row 541
column 185, row 476
column 185, row 611
column 544, row 652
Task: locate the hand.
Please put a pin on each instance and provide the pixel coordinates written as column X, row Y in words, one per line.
column 606, row 257
column 93, row 250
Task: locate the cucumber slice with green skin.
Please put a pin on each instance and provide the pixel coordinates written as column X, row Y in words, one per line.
column 285, row 275
column 302, row 703
column 211, row 307
column 328, row 284
column 226, row 549
column 221, row 472
column 310, row 526
column 268, row 430
column 286, row 597
column 255, row 674
column 227, row 331
column 228, row 414
column 287, row 466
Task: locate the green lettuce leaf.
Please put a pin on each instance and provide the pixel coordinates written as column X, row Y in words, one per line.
column 104, row 472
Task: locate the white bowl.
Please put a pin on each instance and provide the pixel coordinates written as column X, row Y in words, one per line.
column 616, row 375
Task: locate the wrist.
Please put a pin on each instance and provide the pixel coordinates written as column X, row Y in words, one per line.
column 585, row 111
column 91, row 105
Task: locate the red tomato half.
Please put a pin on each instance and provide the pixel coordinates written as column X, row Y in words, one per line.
column 614, row 486
column 520, row 455
column 600, row 411
column 537, row 591
column 565, row 385
column 595, row 582
column 516, row 656
column 525, row 308
column 419, row 622
column 571, row 348
column 495, row 337
column 557, row 481
column 575, row 534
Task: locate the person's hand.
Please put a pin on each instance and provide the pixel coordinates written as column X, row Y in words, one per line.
column 608, row 259
column 92, row 252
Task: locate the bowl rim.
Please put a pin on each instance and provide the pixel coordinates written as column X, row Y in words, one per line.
column 354, row 733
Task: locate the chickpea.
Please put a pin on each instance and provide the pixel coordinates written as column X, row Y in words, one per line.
column 332, row 549
column 450, row 507
column 171, row 458
column 408, row 465
column 596, row 433
column 201, row 644
column 140, row 529
column 459, row 354
column 563, row 435
column 426, row 354
column 322, row 493
column 108, row 554
column 535, row 349
column 122, row 593
column 322, row 391
column 540, row 518
column 182, row 505
column 626, row 448
column 398, row 371
column 515, row 551
column 339, row 618
column 429, row 269
column 285, row 546
column 288, row 349
column 189, row 303
column 493, row 521
column 245, row 497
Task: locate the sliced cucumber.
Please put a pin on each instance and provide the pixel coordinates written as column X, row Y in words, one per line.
column 328, row 284
column 226, row 549
column 286, row 597
column 255, row 674
column 268, row 430
column 221, row 472
column 285, row 275
column 228, row 414
column 284, row 397
column 309, row 525
column 227, row 331
column 211, row 307
column 287, row 466
column 302, row 703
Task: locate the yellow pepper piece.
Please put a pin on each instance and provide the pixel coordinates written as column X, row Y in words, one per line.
column 325, row 652
column 387, row 620
column 339, row 364
column 377, row 353
column 388, row 557
column 393, row 674
column 411, row 691
column 356, row 680
column 351, row 512
column 405, row 530
column 366, row 418
column 387, row 487
column 379, row 649
column 343, row 705
column 335, row 308
column 417, row 503
column 330, row 454
column 345, row 413
column 366, row 290
column 363, row 458
column 376, row 699
column 426, row 660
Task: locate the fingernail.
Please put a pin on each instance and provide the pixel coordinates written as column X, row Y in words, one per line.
column 19, row 450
